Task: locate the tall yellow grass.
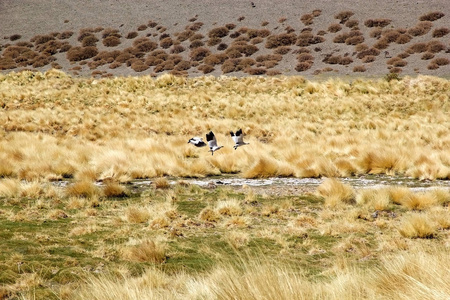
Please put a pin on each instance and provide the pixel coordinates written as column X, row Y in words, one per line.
column 56, row 126
column 416, row 275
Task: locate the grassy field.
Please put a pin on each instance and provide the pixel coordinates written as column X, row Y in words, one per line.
column 72, row 227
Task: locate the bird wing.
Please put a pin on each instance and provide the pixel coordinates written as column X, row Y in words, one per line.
column 211, row 138
column 239, row 137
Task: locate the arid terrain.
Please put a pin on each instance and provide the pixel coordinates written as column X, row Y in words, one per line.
column 239, row 38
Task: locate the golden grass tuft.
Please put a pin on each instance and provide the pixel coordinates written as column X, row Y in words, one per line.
column 237, row 239
column 417, row 225
column 113, row 189
column 231, row 207
column 335, row 192
column 209, row 215
column 146, row 251
column 85, row 189
column 161, row 183
column 9, row 187
column 135, row 214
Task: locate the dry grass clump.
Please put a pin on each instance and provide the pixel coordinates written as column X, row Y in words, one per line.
column 418, row 48
column 417, row 225
column 440, row 32
column 283, row 39
column 303, row 66
column 144, row 44
column 146, row 251
column 83, row 188
column 377, row 23
column 344, row 16
column 333, row 28
column 115, row 190
column 131, row 35
column 111, row 41
column 432, row 16
column 81, row 53
column 435, row 46
column 161, row 183
column 137, row 215
column 198, row 54
column 441, row 61
column 335, row 192
column 360, row 68
column 218, row 32
column 421, row 28
column 307, row 19
column 397, row 62
column 427, row 56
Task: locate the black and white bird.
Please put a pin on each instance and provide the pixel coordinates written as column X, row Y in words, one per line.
column 197, row 142
column 238, row 139
column 212, row 142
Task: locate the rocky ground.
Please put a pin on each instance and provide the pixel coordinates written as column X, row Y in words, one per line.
column 309, row 38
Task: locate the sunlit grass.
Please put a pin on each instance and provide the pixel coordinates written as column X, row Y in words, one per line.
column 56, row 126
column 73, row 227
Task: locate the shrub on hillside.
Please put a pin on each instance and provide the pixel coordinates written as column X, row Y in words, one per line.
column 215, row 59
column 355, row 40
column 65, row 35
column 359, row 69
column 144, row 44
column 177, row 49
column 282, row 50
column 199, row 54
column 303, row 66
column 307, row 19
column 205, row 69
column 195, row 26
column 421, row 28
column 81, row 53
column 230, row 65
column 273, row 72
column 352, row 23
column 218, row 32
column 333, row 28
column 15, row 37
column 435, row 46
column 182, row 65
column 110, row 32
column 304, row 57
column 377, row 23
column 433, row 66
column 441, row 61
column 196, row 44
column 213, row 41
column 89, row 40
column 255, row 71
column 184, row 35
column 432, row 16
column 41, row 39
column 403, row 39
column 381, row 44
column 283, row 39
column 344, row 16
column 111, row 41
column 222, row 47
column 418, row 48
column 166, row 42
column 267, row 57
column 368, row 59
column 142, row 27
column 131, row 35
column 427, row 56
column 440, row 32
column 230, row 26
